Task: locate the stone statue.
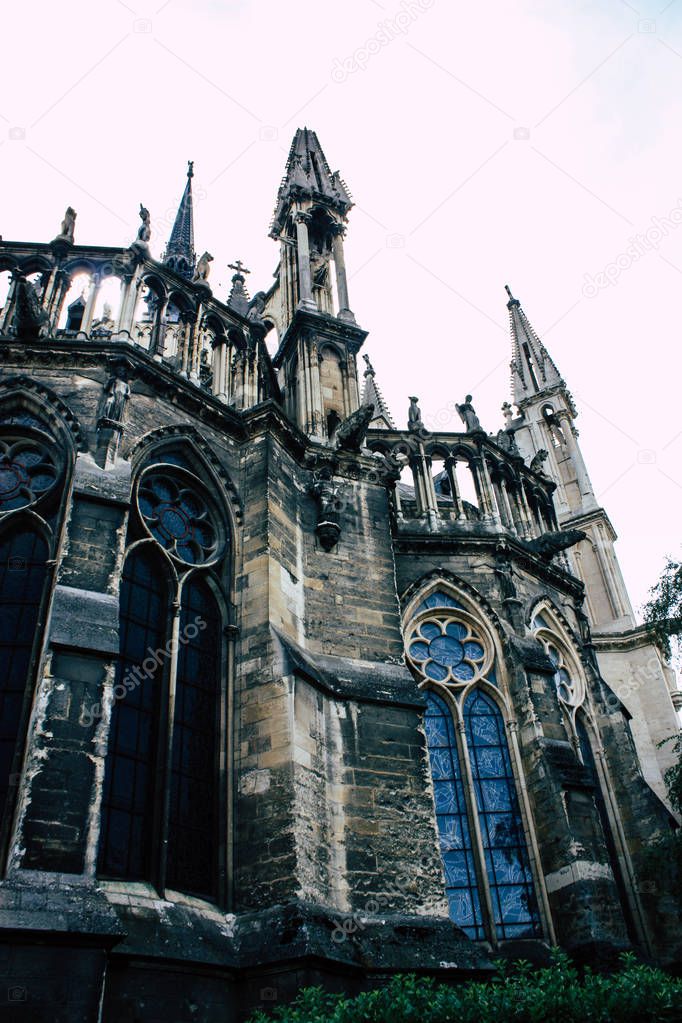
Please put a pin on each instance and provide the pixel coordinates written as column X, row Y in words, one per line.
column 256, row 308
column 106, row 313
column 350, row 434
column 145, row 232
column 507, row 441
column 30, row 320
column 537, row 462
column 203, row 269
column 116, row 395
column 504, row 571
column 66, row 232
column 468, row 415
column 414, row 418
column 508, row 413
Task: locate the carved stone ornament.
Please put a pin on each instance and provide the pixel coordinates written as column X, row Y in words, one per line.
column 329, row 506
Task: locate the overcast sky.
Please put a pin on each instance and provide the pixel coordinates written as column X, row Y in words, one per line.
column 521, row 142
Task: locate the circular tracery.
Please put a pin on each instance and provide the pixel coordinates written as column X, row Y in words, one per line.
column 569, row 685
column 178, row 517
column 27, row 472
column 447, row 648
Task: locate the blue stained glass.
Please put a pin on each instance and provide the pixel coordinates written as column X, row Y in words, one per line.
column 436, row 671
column 463, row 672
column 508, row 866
column 447, row 650
column 474, row 651
column 540, row 622
column 420, row 651
column 438, row 599
column 453, row 824
column 456, row 629
column 429, row 630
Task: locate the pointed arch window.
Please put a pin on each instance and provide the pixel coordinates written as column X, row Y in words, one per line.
column 161, row 806
column 23, row 574
column 33, row 467
column 488, row 875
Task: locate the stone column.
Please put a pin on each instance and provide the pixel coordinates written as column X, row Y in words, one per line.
column 451, row 470
column 581, row 476
column 305, row 284
column 89, row 311
column 343, row 312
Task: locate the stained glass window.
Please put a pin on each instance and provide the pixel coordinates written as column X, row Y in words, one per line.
column 178, row 517
column 27, row 471
column 128, row 800
column 506, row 856
column 451, row 814
column 23, row 569
column 193, row 810
column 438, row 599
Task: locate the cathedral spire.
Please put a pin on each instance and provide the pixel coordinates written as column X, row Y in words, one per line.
column 179, row 254
column 533, row 370
column 307, row 176
column 372, row 395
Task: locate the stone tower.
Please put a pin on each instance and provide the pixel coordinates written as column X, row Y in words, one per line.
column 318, row 336
column 289, row 694
column 627, row 658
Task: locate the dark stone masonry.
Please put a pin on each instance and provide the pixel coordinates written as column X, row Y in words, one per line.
column 289, row 695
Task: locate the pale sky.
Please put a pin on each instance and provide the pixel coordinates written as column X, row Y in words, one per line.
column 525, row 142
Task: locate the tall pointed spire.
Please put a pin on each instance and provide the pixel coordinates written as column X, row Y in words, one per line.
column 533, row 370
column 179, row 254
column 307, row 176
column 371, row 395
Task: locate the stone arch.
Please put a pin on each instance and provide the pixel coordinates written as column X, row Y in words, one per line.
column 24, row 392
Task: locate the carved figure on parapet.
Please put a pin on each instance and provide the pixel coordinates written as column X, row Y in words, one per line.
column 329, row 504
column 468, row 415
column 30, row 320
column 537, row 462
column 507, row 441
column 414, row 418
column 504, row 571
column 141, row 244
column 203, row 269
column 350, row 434
column 68, row 227
column 144, row 232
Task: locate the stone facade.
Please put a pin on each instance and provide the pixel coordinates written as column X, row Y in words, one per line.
column 302, row 830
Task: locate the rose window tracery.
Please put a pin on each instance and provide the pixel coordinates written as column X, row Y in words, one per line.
column 178, row 517
column 446, row 647
column 27, row 471
column 569, row 685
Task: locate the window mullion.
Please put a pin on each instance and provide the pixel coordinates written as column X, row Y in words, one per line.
column 527, row 819
column 475, row 830
column 166, row 752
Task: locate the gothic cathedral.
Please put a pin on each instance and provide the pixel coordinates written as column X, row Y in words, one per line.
column 290, row 694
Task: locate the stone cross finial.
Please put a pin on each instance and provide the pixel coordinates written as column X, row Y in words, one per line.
column 239, row 267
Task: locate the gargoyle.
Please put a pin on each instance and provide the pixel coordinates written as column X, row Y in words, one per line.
column 30, row 319
column 351, row 432
column 549, row 544
column 537, row 462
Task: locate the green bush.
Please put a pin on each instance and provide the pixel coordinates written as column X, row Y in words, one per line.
column 558, row 993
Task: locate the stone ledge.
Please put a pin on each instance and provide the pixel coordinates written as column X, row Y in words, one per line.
column 84, row 620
